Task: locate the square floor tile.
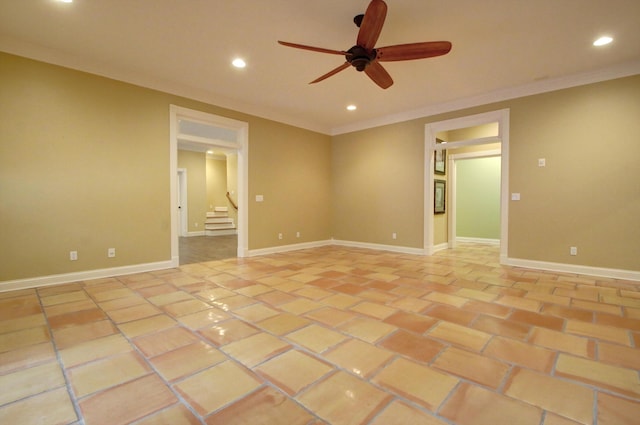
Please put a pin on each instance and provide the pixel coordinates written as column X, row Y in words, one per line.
column 407, row 379
column 108, row 372
column 94, row 349
column 359, row 358
column 283, row 323
column 67, row 337
column 408, row 344
column 53, row 407
column 293, row 371
column 366, row 329
column 228, row 331
column 460, row 335
column 617, row 411
column 551, row 394
column 265, row 406
column 316, row 338
column 187, row 360
column 343, row 399
column 473, row 405
column 175, row 415
column 255, row 349
column 161, row 342
column 146, row 326
column 218, row 386
column 474, row 367
column 26, row 357
column 124, row 404
column 621, row 380
column 30, row 381
column 399, row 413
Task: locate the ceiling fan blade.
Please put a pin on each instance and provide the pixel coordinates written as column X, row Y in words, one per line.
column 313, row 49
column 379, row 75
column 332, row 72
column 403, row 52
column 372, row 23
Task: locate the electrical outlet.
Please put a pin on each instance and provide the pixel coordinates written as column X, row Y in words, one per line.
column 573, row 250
column 279, row 235
column 111, row 252
column 394, row 235
column 297, row 234
column 73, row 255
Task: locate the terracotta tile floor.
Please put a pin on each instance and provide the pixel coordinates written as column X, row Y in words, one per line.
column 330, row 335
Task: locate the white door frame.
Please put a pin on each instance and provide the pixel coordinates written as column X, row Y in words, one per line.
column 431, row 129
column 241, row 146
column 183, row 211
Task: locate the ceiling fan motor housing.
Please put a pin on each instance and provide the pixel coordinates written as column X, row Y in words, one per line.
column 359, row 57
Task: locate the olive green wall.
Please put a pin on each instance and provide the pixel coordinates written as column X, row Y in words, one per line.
column 587, row 196
column 84, row 165
column 195, row 164
column 478, row 198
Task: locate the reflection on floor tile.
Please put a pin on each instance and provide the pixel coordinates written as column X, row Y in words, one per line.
column 329, row 335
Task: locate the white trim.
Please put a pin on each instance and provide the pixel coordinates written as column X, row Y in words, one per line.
column 242, row 148
column 487, row 241
column 440, row 247
column 227, row 232
column 57, row 279
column 287, row 248
column 380, row 247
column 573, row 269
column 430, row 130
column 192, row 234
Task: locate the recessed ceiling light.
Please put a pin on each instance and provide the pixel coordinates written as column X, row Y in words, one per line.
column 352, row 108
column 239, row 63
column 65, row 1
column 603, row 41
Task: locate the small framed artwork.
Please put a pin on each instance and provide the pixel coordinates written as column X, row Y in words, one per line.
column 439, row 196
column 440, row 166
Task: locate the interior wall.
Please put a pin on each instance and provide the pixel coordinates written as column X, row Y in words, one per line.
column 216, row 183
column 84, row 165
column 586, row 196
column 478, row 198
column 195, row 164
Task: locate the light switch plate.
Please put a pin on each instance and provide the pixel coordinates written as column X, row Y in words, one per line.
column 259, row 198
column 515, row 196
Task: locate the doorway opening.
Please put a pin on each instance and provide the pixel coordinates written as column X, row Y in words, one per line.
column 208, row 169
column 466, row 137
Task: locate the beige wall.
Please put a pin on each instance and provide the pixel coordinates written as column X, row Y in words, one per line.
column 587, row 195
column 216, row 183
column 291, row 169
column 195, row 164
column 84, row 165
column 378, row 185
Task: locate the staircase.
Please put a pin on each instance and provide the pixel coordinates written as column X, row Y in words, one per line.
column 219, row 223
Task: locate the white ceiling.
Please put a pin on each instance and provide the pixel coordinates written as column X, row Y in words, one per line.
column 501, row 48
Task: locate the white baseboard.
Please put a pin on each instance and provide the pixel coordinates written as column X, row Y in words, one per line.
column 192, row 234
column 572, row 268
column 227, row 232
column 380, row 247
column 57, row 279
column 464, row 239
column 286, row 248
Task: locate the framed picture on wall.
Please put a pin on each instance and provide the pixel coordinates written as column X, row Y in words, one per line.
column 440, row 160
column 439, row 196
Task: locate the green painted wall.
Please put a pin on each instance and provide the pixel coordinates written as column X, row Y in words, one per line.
column 478, row 198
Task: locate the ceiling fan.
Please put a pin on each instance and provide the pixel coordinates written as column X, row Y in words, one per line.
column 365, row 57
